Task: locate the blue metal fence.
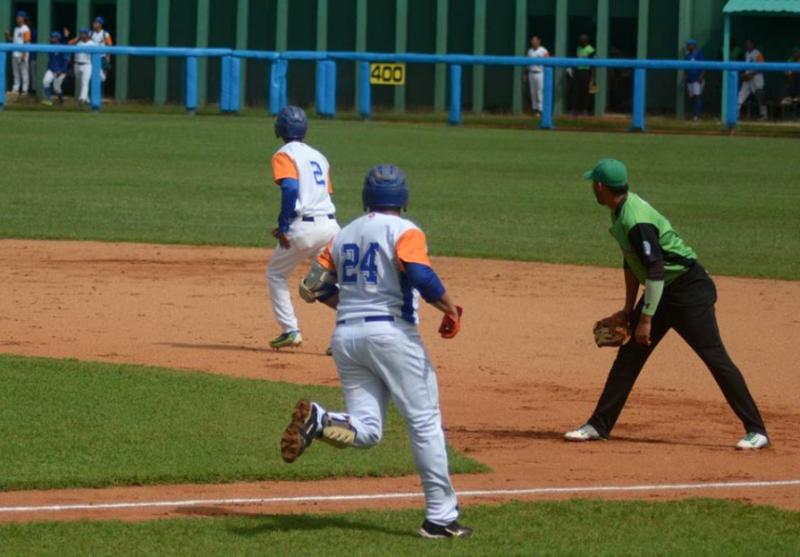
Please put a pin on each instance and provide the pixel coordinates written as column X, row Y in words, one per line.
column 325, row 93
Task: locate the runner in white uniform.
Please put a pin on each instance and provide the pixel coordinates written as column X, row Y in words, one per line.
column 753, row 82
column 307, row 219
column 380, row 261
column 19, row 60
column 536, row 74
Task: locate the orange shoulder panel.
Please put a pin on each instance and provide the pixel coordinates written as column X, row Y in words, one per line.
column 326, row 257
column 411, row 247
column 283, row 167
column 330, row 182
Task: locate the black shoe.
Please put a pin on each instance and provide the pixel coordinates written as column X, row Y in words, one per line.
column 300, row 432
column 435, row 531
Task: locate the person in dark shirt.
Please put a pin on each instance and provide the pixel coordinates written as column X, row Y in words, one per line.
column 695, row 79
column 56, row 72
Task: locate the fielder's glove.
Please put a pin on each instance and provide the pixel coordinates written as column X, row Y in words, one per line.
column 612, row 331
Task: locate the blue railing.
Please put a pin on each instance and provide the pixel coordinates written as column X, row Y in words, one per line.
column 325, row 93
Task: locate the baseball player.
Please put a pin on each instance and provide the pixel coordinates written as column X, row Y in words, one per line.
column 380, row 262
column 101, row 37
column 752, row 82
column 307, row 219
column 695, row 79
column 536, row 74
column 19, row 60
column 83, row 66
column 57, row 67
column 678, row 295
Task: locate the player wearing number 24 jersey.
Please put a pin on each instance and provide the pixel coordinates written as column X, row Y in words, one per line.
column 374, row 273
column 307, row 219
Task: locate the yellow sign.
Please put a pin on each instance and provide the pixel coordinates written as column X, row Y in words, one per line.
column 387, row 74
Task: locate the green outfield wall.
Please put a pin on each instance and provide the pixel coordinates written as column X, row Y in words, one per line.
column 618, row 28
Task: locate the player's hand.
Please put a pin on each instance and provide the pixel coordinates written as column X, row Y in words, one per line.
column 282, row 239
column 451, row 323
column 642, row 335
column 66, row 32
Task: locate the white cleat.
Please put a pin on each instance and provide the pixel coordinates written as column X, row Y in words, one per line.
column 584, row 433
column 753, row 441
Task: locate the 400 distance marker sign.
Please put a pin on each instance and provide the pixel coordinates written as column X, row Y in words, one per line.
column 381, row 73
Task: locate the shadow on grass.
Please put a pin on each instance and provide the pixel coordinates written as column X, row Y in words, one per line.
column 296, row 523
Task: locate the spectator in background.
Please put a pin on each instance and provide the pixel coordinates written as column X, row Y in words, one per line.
column 695, row 79
column 753, row 81
column 19, row 60
column 83, row 66
column 583, row 78
column 535, row 74
column 56, row 72
column 101, row 37
column 791, row 89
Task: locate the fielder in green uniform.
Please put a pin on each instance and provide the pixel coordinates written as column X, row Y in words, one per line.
column 678, row 295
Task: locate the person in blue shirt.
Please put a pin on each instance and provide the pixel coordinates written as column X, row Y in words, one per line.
column 56, row 72
column 695, row 79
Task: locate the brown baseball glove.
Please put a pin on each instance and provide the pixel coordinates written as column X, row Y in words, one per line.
column 612, row 331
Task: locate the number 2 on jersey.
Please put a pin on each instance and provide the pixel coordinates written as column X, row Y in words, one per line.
column 318, row 177
column 354, row 264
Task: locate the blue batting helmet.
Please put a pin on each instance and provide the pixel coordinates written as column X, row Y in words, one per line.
column 22, row 13
column 385, row 186
column 55, row 35
column 291, row 123
column 83, row 31
column 100, row 19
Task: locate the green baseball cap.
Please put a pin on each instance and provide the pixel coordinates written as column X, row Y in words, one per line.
column 609, row 172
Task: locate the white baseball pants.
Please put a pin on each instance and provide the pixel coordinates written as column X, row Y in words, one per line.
column 536, row 84
column 22, row 74
column 307, row 240
column 51, row 79
column 382, row 360
column 83, row 75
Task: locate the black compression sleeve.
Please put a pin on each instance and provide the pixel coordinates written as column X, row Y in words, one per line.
column 644, row 241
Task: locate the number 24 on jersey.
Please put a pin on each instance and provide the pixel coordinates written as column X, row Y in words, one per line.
column 356, row 265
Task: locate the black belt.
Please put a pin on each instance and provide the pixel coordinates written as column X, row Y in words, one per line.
column 312, row 219
column 368, row 319
column 81, row 63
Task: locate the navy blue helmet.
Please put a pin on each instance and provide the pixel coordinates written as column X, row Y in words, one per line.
column 385, row 186
column 291, row 123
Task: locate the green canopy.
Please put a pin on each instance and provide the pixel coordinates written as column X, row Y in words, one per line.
column 762, row 6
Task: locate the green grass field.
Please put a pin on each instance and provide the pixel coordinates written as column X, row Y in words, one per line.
column 506, row 194
column 65, row 423
column 596, row 528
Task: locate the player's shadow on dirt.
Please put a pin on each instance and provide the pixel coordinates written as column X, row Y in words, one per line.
column 542, row 435
column 262, row 523
column 237, row 348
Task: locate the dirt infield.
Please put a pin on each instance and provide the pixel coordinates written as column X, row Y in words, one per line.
column 523, row 370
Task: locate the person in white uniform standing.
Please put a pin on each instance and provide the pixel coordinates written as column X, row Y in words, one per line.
column 83, row 66
column 753, row 82
column 536, row 74
column 373, row 272
column 101, row 37
column 19, row 60
column 307, row 219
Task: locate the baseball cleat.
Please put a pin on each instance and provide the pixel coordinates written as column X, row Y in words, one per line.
column 300, row 432
column 586, row 432
column 434, row 531
column 753, row 441
column 291, row 339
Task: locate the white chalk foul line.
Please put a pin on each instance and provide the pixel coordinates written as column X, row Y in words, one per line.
column 401, row 495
